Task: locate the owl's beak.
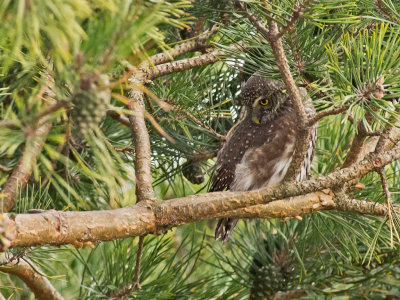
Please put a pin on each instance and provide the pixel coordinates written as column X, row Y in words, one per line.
column 255, row 119
column 255, row 112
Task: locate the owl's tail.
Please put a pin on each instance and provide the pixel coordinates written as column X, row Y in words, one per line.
column 224, row 228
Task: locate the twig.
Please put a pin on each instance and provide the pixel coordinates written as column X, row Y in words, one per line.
column 158, row 127
column 162, row 58
column 254, row 20
column 356, row 145
column 183, row 48
column 298, row 11
column 390, row 211
column 124, row 150
column 9, row 124
column 22, row 171
column 51, row 109
column 201, row 156
column 188, row 63
column 118, row 117
column 325, row 113
column 194, row 119
column 293, row 294
column 30, row 274
column 136, row 278
column 4, row 260
column 4, row 168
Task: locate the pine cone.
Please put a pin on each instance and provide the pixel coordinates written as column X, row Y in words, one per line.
column 271, row 273
column 90, row 107
column 193, row 172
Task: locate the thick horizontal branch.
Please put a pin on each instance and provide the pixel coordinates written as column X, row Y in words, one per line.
column 77, row 228
column 80, row 228
column 58, row 228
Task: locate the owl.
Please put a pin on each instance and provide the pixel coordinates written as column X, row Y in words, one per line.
column 259, row 148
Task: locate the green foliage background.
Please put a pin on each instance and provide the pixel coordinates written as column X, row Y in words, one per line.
column 337, row 50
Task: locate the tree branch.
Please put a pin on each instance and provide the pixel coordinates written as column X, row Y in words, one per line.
column 29, row 273
column 22, row 171
column 194, row 119
column 188, row 63
column 183, row 48
column 141, row 141
column 356, row 145
column 325, row 113
column 298, row 11
column 58, row 228
column 118, row 117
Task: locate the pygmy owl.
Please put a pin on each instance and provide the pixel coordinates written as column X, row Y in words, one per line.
column 260, row 147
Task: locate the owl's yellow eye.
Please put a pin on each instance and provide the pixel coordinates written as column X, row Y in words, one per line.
column 264, row 102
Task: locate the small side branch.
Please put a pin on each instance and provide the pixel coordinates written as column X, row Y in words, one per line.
column 391, row 214
column 183, row 48
column 23, row 169
column 28, row 273
column 356, row 145
column 194, row 119
column 188, row 63
column 118, row 117
column 141, row 141
column 298, row 11
column 325, row 113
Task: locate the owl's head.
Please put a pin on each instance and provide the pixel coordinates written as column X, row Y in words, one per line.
column 264, row 97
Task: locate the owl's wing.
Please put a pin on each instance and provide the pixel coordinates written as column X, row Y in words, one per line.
column 222, row 178
column 225, row 170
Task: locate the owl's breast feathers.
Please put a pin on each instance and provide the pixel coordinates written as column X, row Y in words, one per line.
column 255, row 155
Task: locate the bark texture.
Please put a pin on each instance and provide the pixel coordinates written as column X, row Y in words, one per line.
column 23, row 170
column 37, row 283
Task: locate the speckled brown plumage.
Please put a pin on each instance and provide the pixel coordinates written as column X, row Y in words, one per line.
column 259, row 148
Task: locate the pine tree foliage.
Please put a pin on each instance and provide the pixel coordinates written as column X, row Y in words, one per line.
column 81, row 53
